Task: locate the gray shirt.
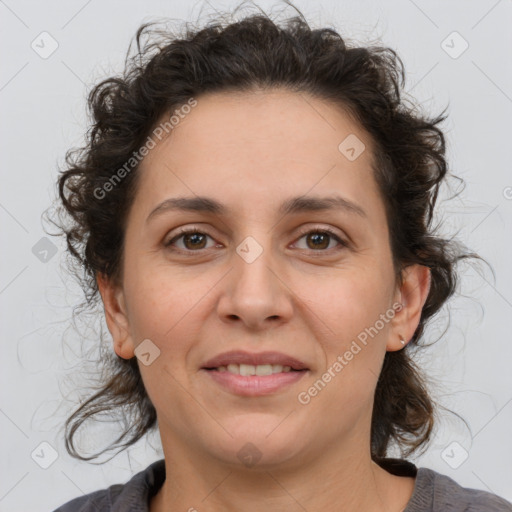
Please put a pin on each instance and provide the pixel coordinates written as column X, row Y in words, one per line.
column 433, row 492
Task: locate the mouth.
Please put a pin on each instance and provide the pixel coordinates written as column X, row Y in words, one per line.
column 261, row 370
column 238, row 361
column 254, row 374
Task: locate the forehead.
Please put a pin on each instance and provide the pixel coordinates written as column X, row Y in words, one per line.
column 258, row 147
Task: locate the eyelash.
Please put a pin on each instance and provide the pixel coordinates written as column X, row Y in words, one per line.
column 327, row 231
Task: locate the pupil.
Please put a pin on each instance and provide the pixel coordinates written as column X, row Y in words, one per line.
column 194, row 237
column 316, row 237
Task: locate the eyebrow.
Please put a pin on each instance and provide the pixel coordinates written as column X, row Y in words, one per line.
column 293, row 205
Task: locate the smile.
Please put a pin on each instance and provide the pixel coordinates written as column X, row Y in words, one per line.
column 250, row 369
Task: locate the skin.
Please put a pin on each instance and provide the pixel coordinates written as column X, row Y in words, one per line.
column 251, row 152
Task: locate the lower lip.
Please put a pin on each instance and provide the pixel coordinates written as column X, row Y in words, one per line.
column 255, row 385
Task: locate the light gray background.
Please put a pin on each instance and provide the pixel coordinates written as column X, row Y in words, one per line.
column 42, row 105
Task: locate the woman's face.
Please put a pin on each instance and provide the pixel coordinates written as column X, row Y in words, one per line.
column 260, row 275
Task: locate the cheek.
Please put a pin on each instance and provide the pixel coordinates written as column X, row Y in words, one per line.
column 161, row 306
column 346, row 302
column 348, row 311
column 166, row 311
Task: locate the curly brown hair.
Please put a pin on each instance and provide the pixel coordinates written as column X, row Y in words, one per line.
column 255, row 52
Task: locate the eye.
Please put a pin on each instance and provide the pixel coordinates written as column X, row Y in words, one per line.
column 319, row 239
column 192, row 240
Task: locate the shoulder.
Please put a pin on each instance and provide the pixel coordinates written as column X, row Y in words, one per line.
column 128, row 497
column 437, row 492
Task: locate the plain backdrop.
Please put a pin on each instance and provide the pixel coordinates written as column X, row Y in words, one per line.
column 456, row 53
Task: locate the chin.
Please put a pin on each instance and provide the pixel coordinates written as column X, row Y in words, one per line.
column 259, row 441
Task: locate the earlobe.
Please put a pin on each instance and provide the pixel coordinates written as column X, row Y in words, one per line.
column 116, row 316
column 413, row 294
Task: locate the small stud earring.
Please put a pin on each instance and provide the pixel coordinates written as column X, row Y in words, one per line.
column 402, row 339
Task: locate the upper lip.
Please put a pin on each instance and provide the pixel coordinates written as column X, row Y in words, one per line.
column 241, row 357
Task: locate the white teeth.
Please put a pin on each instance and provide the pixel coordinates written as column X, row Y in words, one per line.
column 234, row 368
column 264, row 369
column 249, row 369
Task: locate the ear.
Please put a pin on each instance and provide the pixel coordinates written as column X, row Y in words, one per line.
column 412, row 294
column 115, row 315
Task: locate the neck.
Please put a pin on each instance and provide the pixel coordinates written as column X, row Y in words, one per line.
column 353, row 482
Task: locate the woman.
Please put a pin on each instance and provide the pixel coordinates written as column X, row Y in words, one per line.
column 254, row 209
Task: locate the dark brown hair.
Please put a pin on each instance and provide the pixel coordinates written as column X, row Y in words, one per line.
column 255, row 52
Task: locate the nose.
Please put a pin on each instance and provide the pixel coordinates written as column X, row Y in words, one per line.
column 255, row 291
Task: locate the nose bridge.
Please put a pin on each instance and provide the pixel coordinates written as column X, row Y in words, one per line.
column 255, row 293
column 253, row 260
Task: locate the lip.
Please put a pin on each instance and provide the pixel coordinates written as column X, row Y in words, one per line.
column 254, row 358
column 254, row 385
